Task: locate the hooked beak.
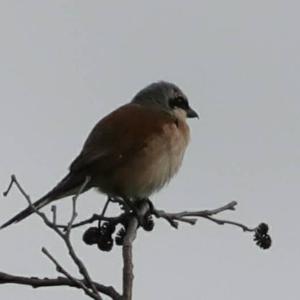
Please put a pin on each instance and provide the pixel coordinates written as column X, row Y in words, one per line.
column 190, row 113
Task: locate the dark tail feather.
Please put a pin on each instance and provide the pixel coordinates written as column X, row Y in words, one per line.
column 66, row 187
column 27, row 212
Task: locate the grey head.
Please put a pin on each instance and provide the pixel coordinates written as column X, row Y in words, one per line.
column 165, row 96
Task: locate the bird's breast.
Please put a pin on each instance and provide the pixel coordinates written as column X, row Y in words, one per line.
column 157, row 163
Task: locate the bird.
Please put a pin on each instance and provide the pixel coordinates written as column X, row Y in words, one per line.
column 132, row 152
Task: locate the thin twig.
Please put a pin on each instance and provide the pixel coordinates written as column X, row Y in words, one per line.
column 189, row 216
column 73, row 217
column 61, row 270
column 13, row 180
column 66, row 237
column 97, row 217
column 104, row 211
column 92, row 219
column 223, row 222
column 54, row 214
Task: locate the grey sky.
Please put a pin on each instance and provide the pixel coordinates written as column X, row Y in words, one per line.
column 66, row 64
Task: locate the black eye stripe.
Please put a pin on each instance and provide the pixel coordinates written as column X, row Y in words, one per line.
column 179, row 102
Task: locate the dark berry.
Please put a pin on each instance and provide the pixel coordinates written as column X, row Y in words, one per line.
column 111, row 228
column 263, row 241
column 120, row 237
column 262, row 228
column 105, row 244
column 106, row 230
column 91, row 236
column 261, row 236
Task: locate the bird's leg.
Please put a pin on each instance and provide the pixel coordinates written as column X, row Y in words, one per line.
column 109, row 199
column 132, row 206
column 148, row 223
column 146, row 220
column 152, row 209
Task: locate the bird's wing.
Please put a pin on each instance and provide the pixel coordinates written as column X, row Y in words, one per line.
column 120, row 136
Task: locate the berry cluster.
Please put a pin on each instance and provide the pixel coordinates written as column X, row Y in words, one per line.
column 261, row 236
column 103, row 236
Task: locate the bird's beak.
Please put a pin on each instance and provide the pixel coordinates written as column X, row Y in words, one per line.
column 190, row 113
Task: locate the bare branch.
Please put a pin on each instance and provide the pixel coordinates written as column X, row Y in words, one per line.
column 54, row 214
column 61, row 270
column 65, row 236
column 13, row 180
column 96, row 217
column 127, row 252
column 189, row 216
column 223, row 222
column 93, row 219
column 36, row 282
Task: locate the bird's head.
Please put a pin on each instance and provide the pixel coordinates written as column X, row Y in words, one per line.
column 165, row 96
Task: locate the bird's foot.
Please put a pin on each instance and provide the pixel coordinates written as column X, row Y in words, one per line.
column 145, row 220
column 133, row 207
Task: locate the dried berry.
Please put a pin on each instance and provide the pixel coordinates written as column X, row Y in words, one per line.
column 105, row 244
column 106, row 230
column 263, row 241
column 262, row 228
column 111, row 228
column 120, row 237
column 91, row 236
column 261, row 236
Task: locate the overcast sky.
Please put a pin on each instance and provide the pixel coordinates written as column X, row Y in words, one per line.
column 66, row 64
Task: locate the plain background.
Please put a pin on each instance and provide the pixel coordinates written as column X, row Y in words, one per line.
column 66, row 64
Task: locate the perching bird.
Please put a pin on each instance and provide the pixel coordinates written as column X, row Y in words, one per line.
column 132, row 152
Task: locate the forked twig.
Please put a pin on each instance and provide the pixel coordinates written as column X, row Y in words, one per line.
column 87, row 285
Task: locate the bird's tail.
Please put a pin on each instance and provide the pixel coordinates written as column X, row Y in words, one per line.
column 66, row 187
column 27, row 211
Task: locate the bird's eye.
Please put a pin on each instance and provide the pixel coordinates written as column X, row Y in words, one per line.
column 179, row 102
